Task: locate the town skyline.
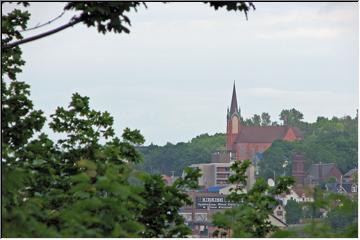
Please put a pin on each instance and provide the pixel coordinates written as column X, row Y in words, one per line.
column 173, row 88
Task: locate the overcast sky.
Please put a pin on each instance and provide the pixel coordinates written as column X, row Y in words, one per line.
column 172, row 76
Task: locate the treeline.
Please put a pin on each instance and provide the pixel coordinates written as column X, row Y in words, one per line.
column 287, row 116
column 175, row 157
column 326, row 140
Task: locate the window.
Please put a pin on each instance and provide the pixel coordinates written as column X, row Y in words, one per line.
column 223, row 175
column 243, row 151
column 279, row 213
column 252, row 152
column 223, row 169
column 354, row 188
column 235, row 125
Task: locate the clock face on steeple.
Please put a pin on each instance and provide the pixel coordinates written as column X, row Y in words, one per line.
column 235, row 124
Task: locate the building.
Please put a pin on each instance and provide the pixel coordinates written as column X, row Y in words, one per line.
column 300, row 195
column 349, row 189
column 217, row 174
column 351, row 176
column 199, row 215
column 213, row 174
column 279, row 214
column 320, row 172
column 247, row 141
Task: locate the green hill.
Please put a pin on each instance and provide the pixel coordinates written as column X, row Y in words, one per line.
column 175, row 157
column 326, row 140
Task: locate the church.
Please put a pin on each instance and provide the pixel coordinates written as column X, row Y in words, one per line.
column 246, row 142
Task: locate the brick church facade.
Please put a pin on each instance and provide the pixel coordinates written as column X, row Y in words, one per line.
column 247, row 141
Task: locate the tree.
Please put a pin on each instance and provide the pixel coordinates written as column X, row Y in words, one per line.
column 340, row 220
column 265, row 119
column 161, row 212
column 274, row 158
column 176, row 157
column 256, row 120
column 77, row 186
column 344, row 215
column 291, row 117
column 251, row 217
column 293, row 212
column 86, row 191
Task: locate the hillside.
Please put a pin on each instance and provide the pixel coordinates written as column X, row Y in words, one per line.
column 175, row 157
column 326, row 140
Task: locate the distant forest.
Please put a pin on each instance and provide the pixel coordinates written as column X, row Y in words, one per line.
column 326, row 140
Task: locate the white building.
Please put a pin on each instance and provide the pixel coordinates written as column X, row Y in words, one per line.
column 217, row 174
column 213, row 174
column 295, row 194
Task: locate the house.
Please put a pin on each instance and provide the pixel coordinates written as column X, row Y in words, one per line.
column 277, row 222
column 298, row 194
column 279, row 212
column 350, row 189
column 248, row 141
column 321, row 172
column 351, row 176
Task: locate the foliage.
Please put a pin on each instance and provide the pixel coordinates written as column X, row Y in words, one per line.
column 293, row 212
column 175, row 157
column 332, row 215
column 343, row 215
column 327, row 141
column 259, row 120
column 80, row 188
column 265, row 119
column 10, row 31
column 161, row 212
column 274, row 158
column 251, row 217
column 106, row 16
column 77, row 186
column 291, row 117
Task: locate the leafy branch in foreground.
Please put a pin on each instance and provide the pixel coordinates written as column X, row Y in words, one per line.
column 161, row 213
column 106, row 16
column 251, row 217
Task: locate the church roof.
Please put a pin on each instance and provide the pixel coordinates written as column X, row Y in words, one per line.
column 264, row 134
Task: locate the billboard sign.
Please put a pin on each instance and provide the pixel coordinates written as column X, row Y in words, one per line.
column 213, row 203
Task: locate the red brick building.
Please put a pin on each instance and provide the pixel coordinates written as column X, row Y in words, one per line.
column 247, row 141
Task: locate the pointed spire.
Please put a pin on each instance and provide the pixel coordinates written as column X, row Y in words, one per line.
column 234, row 106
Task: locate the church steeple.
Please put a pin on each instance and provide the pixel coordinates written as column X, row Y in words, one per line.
column 233, row 122
column 234, row 106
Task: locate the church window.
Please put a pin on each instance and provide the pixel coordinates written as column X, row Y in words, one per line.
column 252, row 152
column 235, row 125
column 243, row 150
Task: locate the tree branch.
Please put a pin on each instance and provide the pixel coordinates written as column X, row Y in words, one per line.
column 44, row 24
column 41, row 35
